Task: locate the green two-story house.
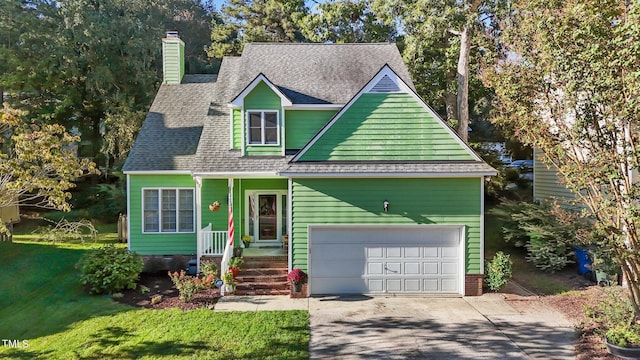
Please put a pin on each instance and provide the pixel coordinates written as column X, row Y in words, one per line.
column 327, row 144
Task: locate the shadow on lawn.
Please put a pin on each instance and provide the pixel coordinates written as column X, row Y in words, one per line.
column 106, row 339
column 45, row 295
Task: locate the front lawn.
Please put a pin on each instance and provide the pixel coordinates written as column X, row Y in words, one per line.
column 43, row 303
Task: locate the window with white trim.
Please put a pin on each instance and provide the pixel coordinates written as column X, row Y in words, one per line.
column 168, row 210
column 262, row 127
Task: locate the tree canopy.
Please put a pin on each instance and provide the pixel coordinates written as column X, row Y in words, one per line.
column 73, row 62
column 568, row 84
column 38, row 164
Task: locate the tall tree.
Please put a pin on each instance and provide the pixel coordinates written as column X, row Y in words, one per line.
column 346, row 21
column 438, row 40
column 568, row 84
column 78, row 61
column 244, row 21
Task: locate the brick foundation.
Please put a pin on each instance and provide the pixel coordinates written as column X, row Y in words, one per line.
column 299, row 295
column 473, row 284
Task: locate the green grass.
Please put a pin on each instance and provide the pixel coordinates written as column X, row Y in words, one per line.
column 43, row 302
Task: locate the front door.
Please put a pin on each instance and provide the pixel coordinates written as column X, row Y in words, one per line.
column 266, row 215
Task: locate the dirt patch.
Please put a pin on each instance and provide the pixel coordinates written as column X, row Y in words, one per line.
column 161, row 285
column 580, row 292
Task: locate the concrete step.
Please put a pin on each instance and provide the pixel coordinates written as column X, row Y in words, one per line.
column 240, row 292
column 263, row 272
column 262, row 285
column 260, row 278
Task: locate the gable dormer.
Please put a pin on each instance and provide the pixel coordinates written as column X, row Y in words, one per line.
column 386, row 121
column 257, row 119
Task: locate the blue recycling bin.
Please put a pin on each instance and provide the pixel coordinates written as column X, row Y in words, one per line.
column 584, row 260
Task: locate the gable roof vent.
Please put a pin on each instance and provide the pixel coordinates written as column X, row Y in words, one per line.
column 385, row 85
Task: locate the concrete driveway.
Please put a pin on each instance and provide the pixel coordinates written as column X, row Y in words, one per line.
column 485, row 327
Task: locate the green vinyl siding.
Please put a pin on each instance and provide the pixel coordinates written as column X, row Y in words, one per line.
column 262, row 97
column 455, row 201
column 157, row 243
column 302, row 125
column 383, row 127
column 237, row 128
column 547, row 185
column 174, row 61
column 215, row 190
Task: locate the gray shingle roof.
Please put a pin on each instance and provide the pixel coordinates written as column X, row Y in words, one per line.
column 172, row 130
column 187, row 127
column 337, row 71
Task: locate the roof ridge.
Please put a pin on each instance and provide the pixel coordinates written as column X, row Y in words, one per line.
column 323, row 44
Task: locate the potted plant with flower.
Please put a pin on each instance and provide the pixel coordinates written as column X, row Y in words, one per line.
column 234, row 265
column 297, row 277
column 215, row 206
column 229, row 281
column 246, row 239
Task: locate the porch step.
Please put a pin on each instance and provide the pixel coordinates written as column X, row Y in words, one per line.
column 263, row 275
column 239, row 292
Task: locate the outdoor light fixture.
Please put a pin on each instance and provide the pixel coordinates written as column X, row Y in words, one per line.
column 385, row 205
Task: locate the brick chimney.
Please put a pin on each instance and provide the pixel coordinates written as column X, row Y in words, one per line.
column 172, row 58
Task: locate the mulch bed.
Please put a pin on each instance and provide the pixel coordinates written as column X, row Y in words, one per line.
column 161, row 285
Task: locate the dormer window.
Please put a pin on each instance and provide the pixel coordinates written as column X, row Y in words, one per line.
column 263, row 127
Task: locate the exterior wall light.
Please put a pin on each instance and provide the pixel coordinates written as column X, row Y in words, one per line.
column 385, row 206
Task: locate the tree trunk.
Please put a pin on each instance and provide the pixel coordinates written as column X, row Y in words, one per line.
column 463, row 85
column 451, row 106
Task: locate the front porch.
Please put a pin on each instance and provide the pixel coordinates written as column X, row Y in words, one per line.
column 264, row 271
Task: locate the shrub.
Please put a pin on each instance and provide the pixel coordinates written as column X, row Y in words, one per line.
column 109, row 269
column 208, row 267
column 498, row 271
column 189, row 286
column 614, row 317
column 547, row 231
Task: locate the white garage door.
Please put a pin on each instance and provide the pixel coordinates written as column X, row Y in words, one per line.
column 385, row 259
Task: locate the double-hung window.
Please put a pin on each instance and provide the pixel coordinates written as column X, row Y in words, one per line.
column 262, row 127
column 168, row 210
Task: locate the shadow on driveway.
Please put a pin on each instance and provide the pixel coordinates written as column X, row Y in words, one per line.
column 430, row 328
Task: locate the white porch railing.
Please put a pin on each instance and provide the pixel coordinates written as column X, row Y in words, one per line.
column 211, row 242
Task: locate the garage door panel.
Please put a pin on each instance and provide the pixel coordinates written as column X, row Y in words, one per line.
column 412, row 259
column 377, row 252
column 449, row 252
column 430, row 268
column 375, row 285
column 449, row 268
column 430, row 285
column 430, row 252
column 393, row 267
column 412, row 285
column 412, row 268
column 412, row 253
column 394, row 285
column 375, row 268
column 394, row 253
column 449, row 285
